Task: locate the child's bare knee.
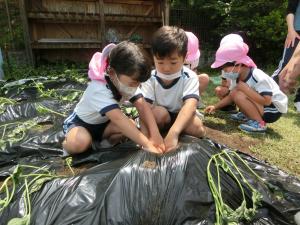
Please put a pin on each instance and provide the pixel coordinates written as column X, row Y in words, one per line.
column 162, row 119
column 238, row 96
column 218, row 91
column 162, row 116
column 201, row 131
column 75, row 146
column 203, row 78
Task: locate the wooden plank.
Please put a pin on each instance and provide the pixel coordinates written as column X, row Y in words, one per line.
column 129, row 2
column 166, row 20
column 71, row 17
column 9, row 24
column 80, row 17
column 67, row 40
column 101, row 29
column 134, row 19
column 149, row 10
column 66, row 43
column 24, row 19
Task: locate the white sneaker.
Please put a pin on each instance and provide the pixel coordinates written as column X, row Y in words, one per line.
column 297, row 105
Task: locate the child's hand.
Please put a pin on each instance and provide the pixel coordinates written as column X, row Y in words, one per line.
column 153, row 149
column 171, row 142
column 210, row 109
column 158, row 142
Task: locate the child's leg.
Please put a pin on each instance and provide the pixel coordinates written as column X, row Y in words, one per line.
column 251, row 109
column 112, row 134
column 203, row 81
column 221, row 91
column 77, row 140
column 162, row 116
column 195, row 128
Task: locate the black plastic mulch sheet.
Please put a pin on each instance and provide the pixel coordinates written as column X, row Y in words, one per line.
column 142, row 188
column 133, row 187
column 31, row 126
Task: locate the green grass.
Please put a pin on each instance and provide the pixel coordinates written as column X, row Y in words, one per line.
column 280, row 146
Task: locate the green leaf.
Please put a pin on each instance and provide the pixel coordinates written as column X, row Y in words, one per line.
column 38, row 184
column 19, row 221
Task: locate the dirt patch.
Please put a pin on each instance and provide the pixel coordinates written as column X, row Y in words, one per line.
column 234, row 141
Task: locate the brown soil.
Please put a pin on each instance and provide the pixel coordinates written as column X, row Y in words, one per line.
column 234, row 141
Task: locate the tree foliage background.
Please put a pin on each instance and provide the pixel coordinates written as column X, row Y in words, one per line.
column 262, row 21
column 7, row 38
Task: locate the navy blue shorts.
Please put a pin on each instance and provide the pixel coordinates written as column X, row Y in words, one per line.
column 271, row 114
column 95, row 130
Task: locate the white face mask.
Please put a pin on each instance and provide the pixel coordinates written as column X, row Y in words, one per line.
column 168, row 76
column 126, row 91
column 230, row 75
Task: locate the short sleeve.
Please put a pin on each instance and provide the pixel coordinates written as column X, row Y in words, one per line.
column 138, row 94
column 263, row 86
column 191, row 87
column 103, row 101
column 147, row 90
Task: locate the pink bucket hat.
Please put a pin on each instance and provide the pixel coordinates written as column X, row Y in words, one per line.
column 231, row 38
column 233, row 51
column 99, row 63
column 193, row 52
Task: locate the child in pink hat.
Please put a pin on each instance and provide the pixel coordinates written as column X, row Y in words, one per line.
column 223, row 90
column 256, row 94
column 192, row 60
column 115, row 75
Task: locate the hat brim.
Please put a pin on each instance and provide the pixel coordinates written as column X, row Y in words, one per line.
column 217, row 64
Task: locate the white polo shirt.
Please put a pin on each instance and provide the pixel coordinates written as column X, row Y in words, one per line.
column 265, row 85
column 173, row 95
column 97, row 100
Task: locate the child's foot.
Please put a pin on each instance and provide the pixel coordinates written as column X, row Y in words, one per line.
column 297, row 105
column 253, row 126
column 240, row 117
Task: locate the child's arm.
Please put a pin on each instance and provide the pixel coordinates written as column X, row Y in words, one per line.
column 129, row 130
column 252, row 94
column 185, row 115
column 223, row 102
column 147, row 117
column 291, row 72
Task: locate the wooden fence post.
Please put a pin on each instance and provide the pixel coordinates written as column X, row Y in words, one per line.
column 9, row 24
column 23, row 14
column 102, row 23
column 167, row 12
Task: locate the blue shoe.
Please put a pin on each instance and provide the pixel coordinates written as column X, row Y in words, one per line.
column 240, row 117
column 253, row 126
